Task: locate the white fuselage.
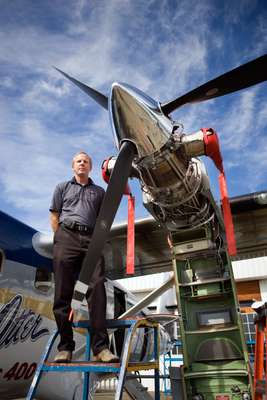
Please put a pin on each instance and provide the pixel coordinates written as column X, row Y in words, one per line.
column 26, row 322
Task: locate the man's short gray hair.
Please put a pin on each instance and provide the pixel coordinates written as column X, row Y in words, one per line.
column 87, row 155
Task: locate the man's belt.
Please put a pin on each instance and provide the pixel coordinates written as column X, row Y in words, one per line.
column 74, row 226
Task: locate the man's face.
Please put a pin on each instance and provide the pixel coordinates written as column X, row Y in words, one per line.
column 81, row 165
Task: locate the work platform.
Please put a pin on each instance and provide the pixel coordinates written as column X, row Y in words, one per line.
column 87, row 366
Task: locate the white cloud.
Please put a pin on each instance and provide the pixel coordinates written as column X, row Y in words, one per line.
column 240, row 120
column 44, row 96
column 7, row 82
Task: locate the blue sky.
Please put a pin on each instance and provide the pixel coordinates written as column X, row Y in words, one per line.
column 163, row 47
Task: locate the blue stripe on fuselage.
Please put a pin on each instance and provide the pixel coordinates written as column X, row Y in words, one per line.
column 16, row 242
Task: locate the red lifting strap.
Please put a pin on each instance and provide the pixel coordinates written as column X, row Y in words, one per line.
column 130, row 236
column 227, row 216
column 130, row 226
column 212, row 150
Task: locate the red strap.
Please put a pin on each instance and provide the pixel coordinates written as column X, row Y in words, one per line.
column 212, row 147
column 227, row 216
column 212, row 150
column 130, row 236
column 130, row 228
column 127, row 190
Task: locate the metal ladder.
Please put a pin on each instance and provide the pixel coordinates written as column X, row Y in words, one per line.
column 120, row 369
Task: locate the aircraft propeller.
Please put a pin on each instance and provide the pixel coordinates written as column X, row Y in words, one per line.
column 97, row 96
column 239, row 78
column 245, row 75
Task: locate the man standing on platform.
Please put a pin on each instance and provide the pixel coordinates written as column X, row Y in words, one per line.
column 74, row 210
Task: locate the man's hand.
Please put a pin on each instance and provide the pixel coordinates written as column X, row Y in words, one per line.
column 54, row 220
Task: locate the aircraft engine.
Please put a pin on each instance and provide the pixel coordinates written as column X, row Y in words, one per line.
column 175, row 184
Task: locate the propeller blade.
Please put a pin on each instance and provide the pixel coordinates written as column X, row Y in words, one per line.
column 97, row 96
column 246, row 75
column 105, row 219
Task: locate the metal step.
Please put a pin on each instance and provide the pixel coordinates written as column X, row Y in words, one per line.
column 136, row 390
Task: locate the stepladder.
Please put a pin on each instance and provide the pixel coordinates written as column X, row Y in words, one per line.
column 126, row 365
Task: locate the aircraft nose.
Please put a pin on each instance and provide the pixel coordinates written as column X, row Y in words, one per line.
column 137, row 118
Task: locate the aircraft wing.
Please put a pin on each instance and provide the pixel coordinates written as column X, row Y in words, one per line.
column 152, row 253
column 152, row 250
column 250, row 224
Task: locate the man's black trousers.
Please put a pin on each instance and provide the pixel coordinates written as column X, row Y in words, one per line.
column 69, row 250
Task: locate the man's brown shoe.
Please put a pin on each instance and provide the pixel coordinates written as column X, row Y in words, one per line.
column 63, row 356
column 106, row 356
